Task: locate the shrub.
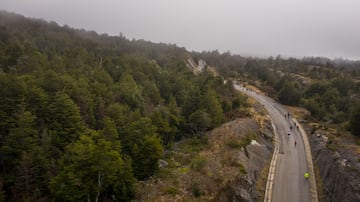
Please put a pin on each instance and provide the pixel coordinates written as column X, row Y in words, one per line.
column 245, row 141
column 172, row 191
column 234, row 144
column 198, row 162
column 195, row 189
column 242, row 168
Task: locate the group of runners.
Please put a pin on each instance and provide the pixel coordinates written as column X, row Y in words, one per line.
column 287, row 116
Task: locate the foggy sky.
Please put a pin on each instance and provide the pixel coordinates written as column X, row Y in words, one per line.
column 297, row 28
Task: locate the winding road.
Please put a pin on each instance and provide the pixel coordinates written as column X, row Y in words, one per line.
column 286, row 182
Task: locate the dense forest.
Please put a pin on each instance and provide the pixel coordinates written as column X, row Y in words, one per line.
column 83, row 116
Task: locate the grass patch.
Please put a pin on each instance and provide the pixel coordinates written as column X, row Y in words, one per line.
column 198, row 162
column 194, row 145
column 181, row 158
column 164, row 173
column 234, row 144
column 232, row 163
column 241, row 168
column 185, row 158
column 319, row 185
column 184, row 170
column 243, row 142
column 332, row 145
column 261, row 181
column 172, row 191
column 250, row 135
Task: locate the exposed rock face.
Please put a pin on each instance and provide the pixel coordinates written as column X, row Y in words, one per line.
column 339, row 170
column 196, row 68
column 243, row 188
column 200, row 67
column 239, row 190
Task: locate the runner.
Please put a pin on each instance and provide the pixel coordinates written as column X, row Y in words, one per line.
column 306, row 175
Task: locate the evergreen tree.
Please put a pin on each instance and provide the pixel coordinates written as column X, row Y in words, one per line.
column 93, row 170
column 21, row 138
column 136, row 132
column 289, row 94
column 146, row 157
column 130, row 92
column 65, row 122
column 210, row 103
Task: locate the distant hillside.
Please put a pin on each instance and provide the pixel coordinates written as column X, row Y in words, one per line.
column 34, row 28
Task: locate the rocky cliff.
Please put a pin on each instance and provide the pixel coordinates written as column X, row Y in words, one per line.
column 255, row 156
column 338, row 164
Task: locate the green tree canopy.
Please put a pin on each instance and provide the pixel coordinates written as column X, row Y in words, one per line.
column 93, row 170
column 146, row 157
column 64, row 120
column 289, row 94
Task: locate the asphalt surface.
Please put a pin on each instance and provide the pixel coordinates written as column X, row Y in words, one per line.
column 289, row 183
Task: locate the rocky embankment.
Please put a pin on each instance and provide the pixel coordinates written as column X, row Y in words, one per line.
column 227, row 164
column 255, row 158
column 338, row 164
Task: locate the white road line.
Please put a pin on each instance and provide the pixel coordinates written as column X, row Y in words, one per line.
column 271, row 174
column 313, row 189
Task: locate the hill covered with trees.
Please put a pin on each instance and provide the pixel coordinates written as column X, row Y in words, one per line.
column 83, row 116
column 329, row 89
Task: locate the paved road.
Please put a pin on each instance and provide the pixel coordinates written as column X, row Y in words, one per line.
column 291, row 163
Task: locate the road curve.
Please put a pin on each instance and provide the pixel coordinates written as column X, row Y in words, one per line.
column 289, row 159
